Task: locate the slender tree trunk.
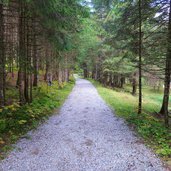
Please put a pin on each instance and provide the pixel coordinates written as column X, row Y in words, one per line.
column 96, row 73
column 17, row 82
column 93, row 74
column 2, row 59
column 122, row 81
column 85, row 70
column 31, row 94
column 21, row 87
column 26, row 62
column 35, row 63
column 69, row 74
column 59, row 74
column 22, row 53
column 63, row 75
column 110, row 80
column 140, row 58
column 66, row 69
column 134, row 84
column 56, row 73
column 30, row 74
column 47, row 68
column 35, row 58
column 164, row 108
column 30, row 42
column 26, row 84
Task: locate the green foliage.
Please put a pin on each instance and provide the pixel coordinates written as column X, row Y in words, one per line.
column 117, row 65
column 88, row 42
column 152, row 130
column 2, row 125
column 60, row 19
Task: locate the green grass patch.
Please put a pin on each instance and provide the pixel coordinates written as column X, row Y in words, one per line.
column 16, row 120
column 147, row 125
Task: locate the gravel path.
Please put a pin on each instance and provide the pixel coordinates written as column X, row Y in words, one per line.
column 86, row 136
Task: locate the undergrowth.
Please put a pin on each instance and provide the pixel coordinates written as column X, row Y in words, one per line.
column 16, row 120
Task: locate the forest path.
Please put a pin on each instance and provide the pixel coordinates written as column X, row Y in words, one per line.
column 86, row 136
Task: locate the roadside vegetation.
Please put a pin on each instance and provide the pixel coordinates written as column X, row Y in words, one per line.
column 37, row 56
column 148, row 125
column 16, row 120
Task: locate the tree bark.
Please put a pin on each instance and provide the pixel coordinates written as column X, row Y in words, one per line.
column 140, row 58
column 66, row 69
column 35, row 65
column 59, row 74
column 27, row 55
column 122, row 81
column 22, row 53
column 134, row 84
column 47, row 70
column 2, row 59
column 96, row 73
column 85, row 70
column 35, row 58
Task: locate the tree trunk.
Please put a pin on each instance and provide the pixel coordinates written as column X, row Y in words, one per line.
column 134, row 84
column 21, row 87
column 22, row 53
column 31, row 94
column 140, row 59
column 164, row 108
column 2, row 59
column 26, row 62
column 96, row 73
column 110, row 80
column 35, row 62
column 85, row 70
column 47, row 69
column 66, row 69
column 122, row 81
column 59, row 74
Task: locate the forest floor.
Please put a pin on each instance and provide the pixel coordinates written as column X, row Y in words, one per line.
column 86, row 136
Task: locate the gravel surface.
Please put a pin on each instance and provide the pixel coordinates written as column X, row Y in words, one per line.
column 86, row 136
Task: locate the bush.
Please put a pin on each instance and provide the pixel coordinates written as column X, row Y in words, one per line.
column 3, row 125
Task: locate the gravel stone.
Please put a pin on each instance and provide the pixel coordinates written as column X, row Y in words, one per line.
column 85, row 136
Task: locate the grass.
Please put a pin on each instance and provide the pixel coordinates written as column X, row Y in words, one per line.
column 17, row 120
column 148, row 126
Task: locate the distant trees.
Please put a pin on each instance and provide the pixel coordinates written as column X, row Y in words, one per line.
column 87, row 46
column 134, row 45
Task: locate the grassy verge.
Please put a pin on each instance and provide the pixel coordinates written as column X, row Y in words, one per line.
column 16, row 120
column 148, row 126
